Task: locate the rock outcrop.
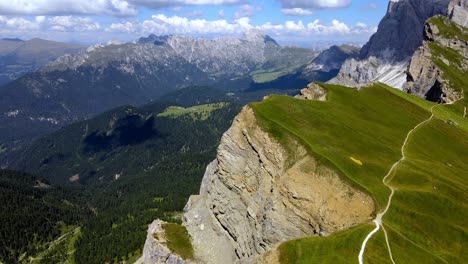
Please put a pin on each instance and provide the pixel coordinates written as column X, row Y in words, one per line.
column 257, row 193
column 155, row 250
column 330, row 60
column 312, row 92
column 386, row 56
column 458, row 12
column 424, row 77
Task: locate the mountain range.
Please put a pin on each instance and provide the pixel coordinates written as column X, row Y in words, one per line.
column 19, row 57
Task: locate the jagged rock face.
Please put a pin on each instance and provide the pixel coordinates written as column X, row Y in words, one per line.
column 424, row 77
column 458, row 12
column 222, row 56
column 401, row 30
column 312, row 92
column 331, row 59
column 385, row 57
column 155, row 250
column 255, row 195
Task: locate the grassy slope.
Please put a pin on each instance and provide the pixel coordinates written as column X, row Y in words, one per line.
column 178, row 240
column 198, row 112
column 425, row 222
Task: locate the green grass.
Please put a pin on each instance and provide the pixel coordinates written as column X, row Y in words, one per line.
column 448, row 28
column 61, row 250
column 199, row 112
column 320, row 248
column 263, row 76
column 178, row 240
column 336, row 130
column 427, row 220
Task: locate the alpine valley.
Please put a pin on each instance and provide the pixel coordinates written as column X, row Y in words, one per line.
column 174, row 149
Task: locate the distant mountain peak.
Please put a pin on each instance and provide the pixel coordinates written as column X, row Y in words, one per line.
column 13, row 39
column 258, row 35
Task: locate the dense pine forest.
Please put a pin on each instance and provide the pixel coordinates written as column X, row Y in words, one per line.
column 107, row 178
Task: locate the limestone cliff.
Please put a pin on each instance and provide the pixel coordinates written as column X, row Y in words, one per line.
column 257, row 194
column 458, row 12
column 155, row 250
column 424, row 77
column 385, row 57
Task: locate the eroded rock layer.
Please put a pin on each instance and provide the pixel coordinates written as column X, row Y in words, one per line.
column 256, row 194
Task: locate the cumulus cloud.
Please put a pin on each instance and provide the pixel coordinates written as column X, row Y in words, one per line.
column 19, row 24
column 67, row 7
column 315, row 3
column 162, row 25
column 168, row 3
column 296, row 11
column 72, row 24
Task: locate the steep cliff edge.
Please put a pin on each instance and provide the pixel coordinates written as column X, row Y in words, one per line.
column 444, row 51
column 156, row 250
column 257, row 194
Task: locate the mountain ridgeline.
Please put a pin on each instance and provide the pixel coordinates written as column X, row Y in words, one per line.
column 19, row 57
column 77, row 87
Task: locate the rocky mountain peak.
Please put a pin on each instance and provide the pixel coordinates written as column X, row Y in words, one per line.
column 256, row 35
column 401, row 30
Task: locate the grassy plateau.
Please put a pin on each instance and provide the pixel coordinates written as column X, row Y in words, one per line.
column 427, row 219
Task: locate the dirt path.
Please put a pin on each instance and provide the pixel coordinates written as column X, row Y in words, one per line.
column 378, row 218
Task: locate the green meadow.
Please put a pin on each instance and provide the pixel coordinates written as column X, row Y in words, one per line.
column 426, row 222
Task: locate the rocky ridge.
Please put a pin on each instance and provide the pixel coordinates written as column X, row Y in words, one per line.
column 331, row 59
column 424, row 77
column 386, row 56
column 155, row 250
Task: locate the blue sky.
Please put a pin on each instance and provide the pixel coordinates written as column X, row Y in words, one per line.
column 309, row 23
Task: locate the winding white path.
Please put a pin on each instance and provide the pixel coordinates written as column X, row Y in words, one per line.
column 378, row 218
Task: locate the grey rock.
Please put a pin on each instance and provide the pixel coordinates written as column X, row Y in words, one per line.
column 155, row 250
column 254, row 196
column 424, row 77
column 458, row 12
column 386, row 56
column 312, row 92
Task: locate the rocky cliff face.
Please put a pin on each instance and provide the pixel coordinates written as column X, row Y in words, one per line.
column 424, row 77
column 155, row 250
column 331, row 59
column 385, row 57
column 458, row 12
column 257, row 194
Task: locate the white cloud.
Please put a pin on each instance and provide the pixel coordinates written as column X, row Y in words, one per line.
column 296, row 11
column 72, row 24
column 67, row 7
column 126, row 27
column 19, row 24
column 167, row 3
column 315, row 3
